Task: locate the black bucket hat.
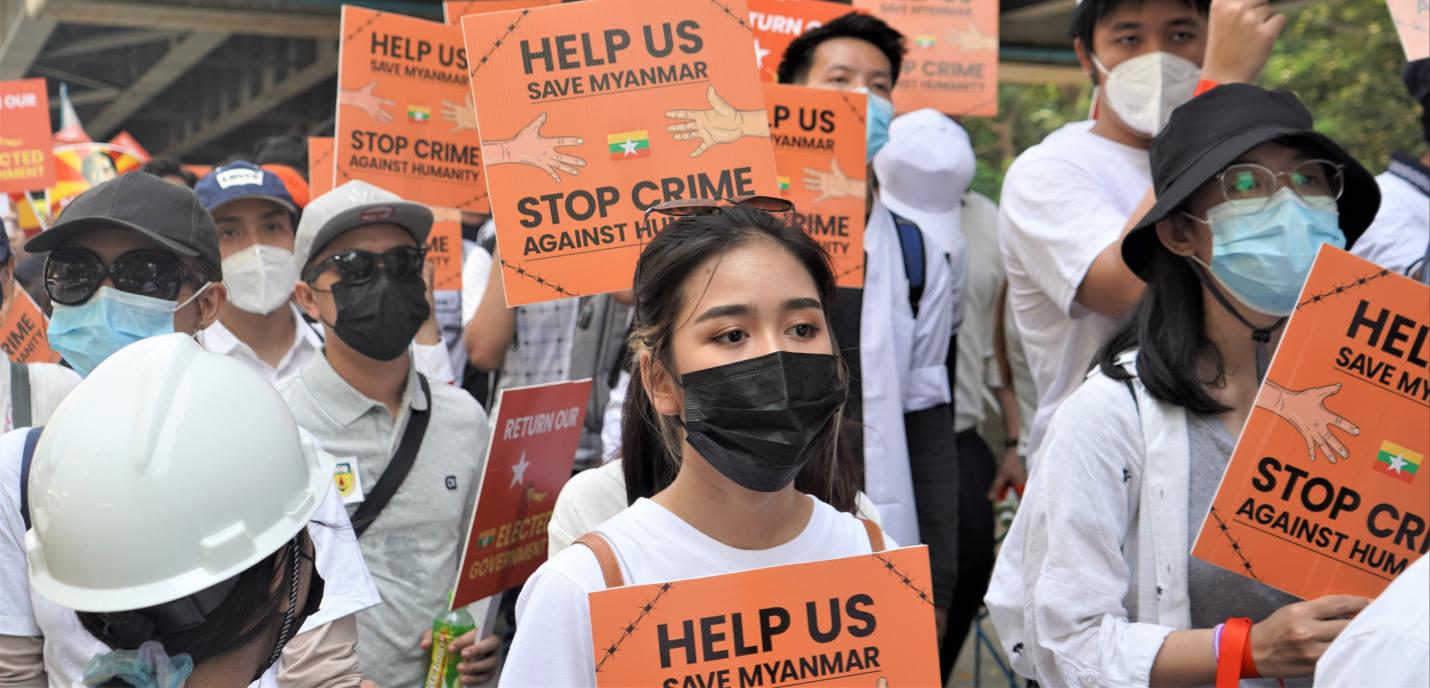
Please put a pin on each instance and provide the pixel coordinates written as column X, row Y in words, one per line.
column 1211, row 131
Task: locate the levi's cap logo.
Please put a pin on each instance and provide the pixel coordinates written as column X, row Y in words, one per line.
column 239, row 177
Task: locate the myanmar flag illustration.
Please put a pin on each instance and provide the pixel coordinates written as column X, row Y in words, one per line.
column 629, row 144
column 1397, row 462
column 419, row 113
column 925, row 40
column 783, row 182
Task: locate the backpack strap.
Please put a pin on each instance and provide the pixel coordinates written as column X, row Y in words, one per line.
column 911, row 243
column 20, row 411
column 876, row 534
column 605, row 556
column 32, row 438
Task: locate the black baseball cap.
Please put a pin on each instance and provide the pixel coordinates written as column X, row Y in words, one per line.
column 1211, row 131
column 167, row 213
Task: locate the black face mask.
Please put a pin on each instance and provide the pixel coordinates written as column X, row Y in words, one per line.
column 378, row 318
column 755, row 421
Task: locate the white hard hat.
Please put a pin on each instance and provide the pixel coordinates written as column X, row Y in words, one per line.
column 169, row 470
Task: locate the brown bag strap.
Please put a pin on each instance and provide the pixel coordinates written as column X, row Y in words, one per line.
column 606, row 557
column 876, row 535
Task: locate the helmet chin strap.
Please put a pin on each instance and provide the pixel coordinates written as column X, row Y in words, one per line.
column 1260, row 335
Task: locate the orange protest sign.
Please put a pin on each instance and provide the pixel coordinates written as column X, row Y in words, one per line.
column 622, row 104
column 320, row 165
column 1296, row 512
column 818, row 137
column 952, row 65
column 22, row 333
column 79, row 166
column 25, row 161
column 444, row 249
column 454, row 10
column 1412, row 22
column 405, row 118
column 858, row 621
column 533, row 444
column 776, row 23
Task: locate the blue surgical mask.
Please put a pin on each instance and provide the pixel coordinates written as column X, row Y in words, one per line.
column 878, row 112
column 1262, row 256
column 90, row 332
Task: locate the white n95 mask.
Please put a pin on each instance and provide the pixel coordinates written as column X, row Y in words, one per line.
column 260, row 278
column 1144, row 90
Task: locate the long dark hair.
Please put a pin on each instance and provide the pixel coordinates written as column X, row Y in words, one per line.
column 650, row 443
column 1168, row 329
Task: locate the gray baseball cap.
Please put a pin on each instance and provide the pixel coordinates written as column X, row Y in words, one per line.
column 167, row 213
column 352, row 205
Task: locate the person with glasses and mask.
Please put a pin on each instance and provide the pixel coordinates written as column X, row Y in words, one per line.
column 744, row 468
column 415, row 448
column 1067, row 201
column 1247, row 193
column 206, row 574
column 129, row 260
column 259, row 325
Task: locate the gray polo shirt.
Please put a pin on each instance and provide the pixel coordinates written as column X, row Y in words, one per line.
column 414, row 546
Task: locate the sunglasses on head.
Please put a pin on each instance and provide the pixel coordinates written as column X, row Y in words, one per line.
column 73, row 275
column 356, row 266
column 707, row 206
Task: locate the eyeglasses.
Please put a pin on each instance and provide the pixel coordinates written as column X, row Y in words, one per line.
column 706, row 206
column 356, row 266
column 73, row 275
column 1319, row 182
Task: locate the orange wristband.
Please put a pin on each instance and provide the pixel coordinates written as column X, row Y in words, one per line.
column 1235, row 653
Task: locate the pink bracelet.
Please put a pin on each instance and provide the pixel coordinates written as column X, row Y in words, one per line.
column 1216, row 642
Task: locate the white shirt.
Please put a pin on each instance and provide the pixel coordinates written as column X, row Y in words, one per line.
column 1064, row 201
column 904, row 361
column 49, row 385
column 349, row 588
column 977, row 372
column 553, row 618
column 1388, row 643
column 1400, row 234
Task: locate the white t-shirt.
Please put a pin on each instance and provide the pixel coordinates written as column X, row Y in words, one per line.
column 1388, row 643
column 1064, row 201
column 653, row 545
column 49, row 385
column 1400, row 234
column 348, row 588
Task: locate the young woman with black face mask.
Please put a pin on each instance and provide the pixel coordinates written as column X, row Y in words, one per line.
column 1094, row 583
column 732, row 419
column 176, row 522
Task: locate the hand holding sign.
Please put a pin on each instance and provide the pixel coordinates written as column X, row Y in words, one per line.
column 1306, row 411
column 1240, row 37
column 529, row 147
column 366, row 100
column 722, row 123
column 832, row 183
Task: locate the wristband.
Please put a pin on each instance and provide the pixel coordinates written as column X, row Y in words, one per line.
column 1248, row 663
column 1203, row 86
column 1236, row 634
column 1216, row 642
column 1010, row 443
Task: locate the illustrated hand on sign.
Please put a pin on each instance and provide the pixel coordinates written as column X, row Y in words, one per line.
column 972, row 38
column 1306, row 411
column 832, row 183
column 461, row 116
column 364, row 99
column 529, row 147
column 722, row 123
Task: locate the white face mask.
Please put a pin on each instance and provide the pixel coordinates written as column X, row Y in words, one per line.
column 260, row 278
column 1144, row 90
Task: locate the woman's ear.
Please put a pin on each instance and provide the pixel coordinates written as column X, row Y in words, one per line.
column 1179, row 235
column 659, row 386
column 211, row 304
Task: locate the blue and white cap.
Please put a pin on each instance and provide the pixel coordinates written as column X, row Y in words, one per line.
column 240, row 180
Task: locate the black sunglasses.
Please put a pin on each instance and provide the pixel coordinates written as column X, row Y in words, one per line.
column 706, row 206
column 73, row 275
column 356, row 266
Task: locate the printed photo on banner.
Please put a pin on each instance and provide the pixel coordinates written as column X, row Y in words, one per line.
column 616, row 105
column 1326, row 491
column 22, row 333
column 406, row 120
column 320, row 165
column 1412, row 22
column 454, row 10
column 776, row 23
column 529, row 457
column 952, row 64
column 818, row 137
column 858, row 621
column 25, row 160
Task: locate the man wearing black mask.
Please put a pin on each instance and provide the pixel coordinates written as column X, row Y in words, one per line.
column 410, row 452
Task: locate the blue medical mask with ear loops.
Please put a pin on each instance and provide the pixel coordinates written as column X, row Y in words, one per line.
column 878, row 113
column 85, row 334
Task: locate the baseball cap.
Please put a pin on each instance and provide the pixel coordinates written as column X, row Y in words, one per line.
column 352, row 205
column 239, row 180
column 167, row 213
column 1212, row 131
column 924, row 170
